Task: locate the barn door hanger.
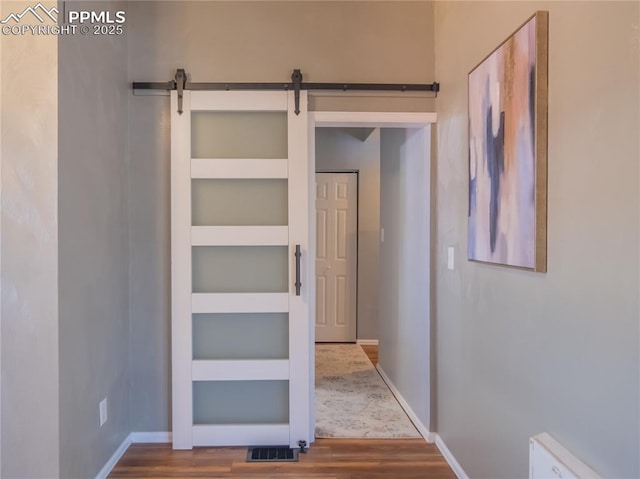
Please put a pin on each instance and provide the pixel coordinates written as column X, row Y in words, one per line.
column 181, row 85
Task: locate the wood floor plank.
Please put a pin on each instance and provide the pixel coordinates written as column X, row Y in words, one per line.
column 371, row 351
column 326, row 459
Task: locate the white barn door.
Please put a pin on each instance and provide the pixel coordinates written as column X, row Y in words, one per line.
column 240, row 329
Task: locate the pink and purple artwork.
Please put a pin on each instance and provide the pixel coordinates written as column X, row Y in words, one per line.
column 507, row 177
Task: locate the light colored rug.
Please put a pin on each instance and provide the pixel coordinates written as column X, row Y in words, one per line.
column 352, row 400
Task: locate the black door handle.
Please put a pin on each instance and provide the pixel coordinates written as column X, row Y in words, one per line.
column 298, row 283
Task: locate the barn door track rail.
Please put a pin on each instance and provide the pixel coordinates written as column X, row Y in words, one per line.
column 296, row 84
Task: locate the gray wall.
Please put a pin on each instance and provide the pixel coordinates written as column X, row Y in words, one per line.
column 404, row 265
column 241, row 41
column 520, row 353
column 350, row 149
column 29, row 204
column 93, row 247
column 385, row 41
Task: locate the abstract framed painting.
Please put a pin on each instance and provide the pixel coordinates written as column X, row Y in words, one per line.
column 507, row 222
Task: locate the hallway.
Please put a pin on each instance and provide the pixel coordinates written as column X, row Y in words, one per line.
column 352, row 400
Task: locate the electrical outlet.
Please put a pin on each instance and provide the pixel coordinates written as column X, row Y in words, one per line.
column 103, row 411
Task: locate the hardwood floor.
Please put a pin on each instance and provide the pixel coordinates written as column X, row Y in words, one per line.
column 372, row 352
column 326, row 459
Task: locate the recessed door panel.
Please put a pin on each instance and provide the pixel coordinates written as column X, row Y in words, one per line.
column 341, row 190
column 341, row 313
column 321, row 228
column 321, row 301
column 341, row 234
column 322, row 190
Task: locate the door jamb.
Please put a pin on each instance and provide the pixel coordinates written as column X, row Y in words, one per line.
column 342, row 119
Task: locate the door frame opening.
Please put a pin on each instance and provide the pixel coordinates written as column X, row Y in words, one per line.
column 332, row 119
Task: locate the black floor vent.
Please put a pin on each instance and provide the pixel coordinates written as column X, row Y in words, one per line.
column 272, row 454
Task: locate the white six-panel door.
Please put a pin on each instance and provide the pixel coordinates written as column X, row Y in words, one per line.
column 336, row 256
column 240, row 331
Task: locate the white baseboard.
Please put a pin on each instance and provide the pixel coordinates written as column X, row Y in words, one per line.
column 429, row 436
column 449, row 457
column 159, row 437
column 367, row 342
column 113, row 460
column 422, row 429
column 133, row 438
